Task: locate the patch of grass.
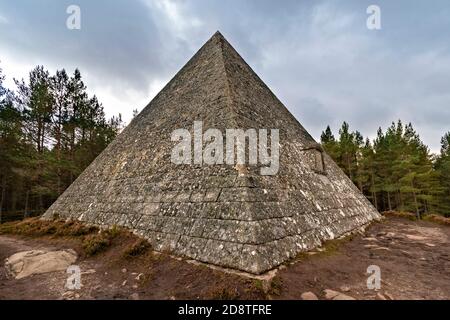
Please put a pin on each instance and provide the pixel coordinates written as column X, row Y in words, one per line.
column 437, row 218
column 402, row 214
column 258, row 284
column 93, row 241
column 276, row 286
column 24, row 227
column 428, row 217
column 35, row 227
column 114, row 231
column 224, row 293
column 328, row 248
column 255, row 288
column 332, row 246
column 93, row 244
column 76, row 229
column 138, row 248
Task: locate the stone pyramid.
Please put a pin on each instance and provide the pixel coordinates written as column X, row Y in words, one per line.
column 226, row 215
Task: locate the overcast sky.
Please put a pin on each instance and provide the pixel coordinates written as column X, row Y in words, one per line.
column 318, row 57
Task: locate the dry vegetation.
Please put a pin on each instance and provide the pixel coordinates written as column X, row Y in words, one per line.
column 438, row 219
column 91, row 239
column 411, row 216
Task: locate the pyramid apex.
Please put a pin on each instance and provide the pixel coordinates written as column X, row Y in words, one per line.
column 218, row 34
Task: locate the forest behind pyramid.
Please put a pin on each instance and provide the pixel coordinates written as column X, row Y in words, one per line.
column 222, row 214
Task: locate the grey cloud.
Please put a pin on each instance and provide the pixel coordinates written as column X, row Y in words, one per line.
column 118, row 41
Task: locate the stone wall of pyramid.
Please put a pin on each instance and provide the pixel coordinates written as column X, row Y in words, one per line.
column 221, row 214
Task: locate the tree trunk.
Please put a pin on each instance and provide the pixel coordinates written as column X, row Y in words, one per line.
column 401, row 199
column 389, row 201
column 375, row 202
column 349, row 169
column 25, row 213
column 13, row 197
column 360, row 185
column 2, row 197
column 41, row 203
column 72, row 152
column 43, row 138
column 38, row 138
column 417, row 206
column 415, row 200
column 58, row 150
column 374, row 194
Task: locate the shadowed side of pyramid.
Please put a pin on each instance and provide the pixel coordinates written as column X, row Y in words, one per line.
column 221, row 214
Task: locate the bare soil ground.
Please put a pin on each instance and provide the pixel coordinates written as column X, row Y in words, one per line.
column 414, row 258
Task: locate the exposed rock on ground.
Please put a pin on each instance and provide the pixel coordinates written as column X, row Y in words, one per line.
column 336, row 295
column 26, row 263
column 309, row 296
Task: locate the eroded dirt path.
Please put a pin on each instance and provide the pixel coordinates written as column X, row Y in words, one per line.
column 414, row 259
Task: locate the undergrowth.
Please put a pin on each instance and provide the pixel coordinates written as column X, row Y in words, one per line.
column 138, row 248
column 93, row 240
column 431, row 217
column 35, row 227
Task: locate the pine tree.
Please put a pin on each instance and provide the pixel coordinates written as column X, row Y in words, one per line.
column 346, row 150
column 60, row 91
column 9, row 130
column 329, row 143
column 76, row 122
column 397, row 172
column 443, row 171
column 50, row 130
column 367, row 174
column 382, row 162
